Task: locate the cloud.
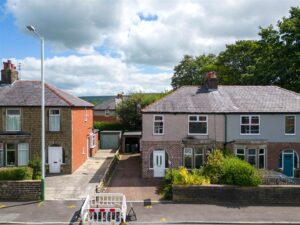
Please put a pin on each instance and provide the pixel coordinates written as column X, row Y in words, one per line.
column 94, row 75
column 147, row 32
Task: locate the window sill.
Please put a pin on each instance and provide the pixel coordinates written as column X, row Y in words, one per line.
column 249, row 134
column 290, row 134
column 192, row 134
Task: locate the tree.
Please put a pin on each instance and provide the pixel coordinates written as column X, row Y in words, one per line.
column 191, row 69
column 129, row 111
column 274, row 59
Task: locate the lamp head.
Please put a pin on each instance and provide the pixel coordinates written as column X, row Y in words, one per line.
column 31, row 28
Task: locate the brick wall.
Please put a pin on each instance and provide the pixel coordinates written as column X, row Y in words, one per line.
column 265, row 194
column 81, row 129
column 31, row 124
column 173, row 148
column 20, row 190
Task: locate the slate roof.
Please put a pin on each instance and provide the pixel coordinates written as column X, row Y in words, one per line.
column 108, row 104
column 28, row 93
column 228, row 99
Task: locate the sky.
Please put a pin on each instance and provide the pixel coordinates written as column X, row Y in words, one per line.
column 102, row 47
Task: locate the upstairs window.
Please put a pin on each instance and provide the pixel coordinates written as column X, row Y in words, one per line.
column 290, row 125
column 54, row 120
column 250, row 124
column 106, row 112
column 198, row 125
column 13, row 120
column 158, row 124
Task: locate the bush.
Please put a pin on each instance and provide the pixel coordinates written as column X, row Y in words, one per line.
column 214, row 168
column 182, row 176
column 16, row 173
column 36, row 167
column 239, row 172
column 108, row 126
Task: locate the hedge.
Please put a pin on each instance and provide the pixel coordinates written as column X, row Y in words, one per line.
column 16, row 173
column 109, row 126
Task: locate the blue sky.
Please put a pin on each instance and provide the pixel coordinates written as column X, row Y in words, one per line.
column 100, row 47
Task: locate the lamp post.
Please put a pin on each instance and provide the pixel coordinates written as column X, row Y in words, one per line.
column 32, row 29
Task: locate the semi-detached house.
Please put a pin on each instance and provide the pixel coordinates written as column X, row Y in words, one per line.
column 70, row 137
column 259, row 124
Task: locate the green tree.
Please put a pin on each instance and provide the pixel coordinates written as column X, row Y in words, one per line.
column 191, row 69
column 129, row 111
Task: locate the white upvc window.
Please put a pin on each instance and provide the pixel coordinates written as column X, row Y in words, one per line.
column 240, row 153
column 250, row 125
column 251, row 156
column 106, row 112
column 13, row 120
column 92, row 140
column 1, row 154
column 198, row 158
column 290, row 125
column 261, row 158
column 188, row 158
column 158, row 124
column 54, row 120
column 10, row 154
column 198, row 125
column 23, row 154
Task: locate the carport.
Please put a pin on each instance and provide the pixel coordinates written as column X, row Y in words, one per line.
column 131, row 142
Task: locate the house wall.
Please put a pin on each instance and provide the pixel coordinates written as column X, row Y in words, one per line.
column 176, row 128
column 81, row 130
column 272, row 127
column 31, row 125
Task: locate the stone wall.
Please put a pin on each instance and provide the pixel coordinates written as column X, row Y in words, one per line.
column 20, row 190
column 264, row 194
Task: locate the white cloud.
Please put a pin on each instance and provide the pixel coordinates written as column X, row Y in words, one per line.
column 94, row 75
column 180, row 27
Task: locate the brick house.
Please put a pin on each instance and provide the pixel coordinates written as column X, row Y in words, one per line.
column 257, row 123
column 70, row 137
column 106, row 111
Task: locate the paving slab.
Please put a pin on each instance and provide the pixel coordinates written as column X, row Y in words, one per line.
column 127, row 179
column 82, row 182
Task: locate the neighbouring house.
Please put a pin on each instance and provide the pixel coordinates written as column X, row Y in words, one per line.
column 70, row 137
column 259, row 124
column 106, row 111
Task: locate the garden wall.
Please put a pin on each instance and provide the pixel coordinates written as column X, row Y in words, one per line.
column 20, row 190
column 264, row 194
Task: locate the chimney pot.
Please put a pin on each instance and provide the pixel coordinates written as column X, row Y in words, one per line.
column 8, row 74
column 211, row 80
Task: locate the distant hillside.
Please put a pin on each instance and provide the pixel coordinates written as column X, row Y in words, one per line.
column 96, row 99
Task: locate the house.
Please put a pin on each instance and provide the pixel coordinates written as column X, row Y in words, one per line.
column 69, row 137
column 106, row 111
column 259, row 124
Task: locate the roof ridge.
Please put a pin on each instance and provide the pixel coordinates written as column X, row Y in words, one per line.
column 56, row 93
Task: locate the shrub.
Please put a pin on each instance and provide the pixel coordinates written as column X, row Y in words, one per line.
column 36, row 167
column 182, row 176
column 16, row 173
column 108, row 126
column 214, row 168
column 239, row 172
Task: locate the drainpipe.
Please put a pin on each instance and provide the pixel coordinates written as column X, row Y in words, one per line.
column 225, row 141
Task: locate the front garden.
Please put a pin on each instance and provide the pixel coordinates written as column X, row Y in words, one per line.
column 219, row 169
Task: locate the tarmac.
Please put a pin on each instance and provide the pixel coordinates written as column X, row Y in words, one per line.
column 67, row 212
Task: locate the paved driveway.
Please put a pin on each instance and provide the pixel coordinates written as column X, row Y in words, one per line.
column 82, row 182
column 127, row 179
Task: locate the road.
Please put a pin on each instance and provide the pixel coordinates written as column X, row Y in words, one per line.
column 67, row 212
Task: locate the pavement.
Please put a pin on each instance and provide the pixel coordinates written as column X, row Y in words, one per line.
column 127, row 179
column 82, row 182
column 67, row 212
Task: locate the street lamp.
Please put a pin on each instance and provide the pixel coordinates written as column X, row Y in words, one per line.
column 32, row 29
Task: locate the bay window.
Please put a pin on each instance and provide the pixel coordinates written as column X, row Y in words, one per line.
column 10, row 154
column 54, row 120
column 13, row 120
column 23, row 154
column 193, row 158
column 256, row 156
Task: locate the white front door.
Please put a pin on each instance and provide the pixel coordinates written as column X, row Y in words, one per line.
column 54, row 159
column 159, row 163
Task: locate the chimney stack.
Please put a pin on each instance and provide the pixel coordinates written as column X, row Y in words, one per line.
column 211, row 80
column 8, row 73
